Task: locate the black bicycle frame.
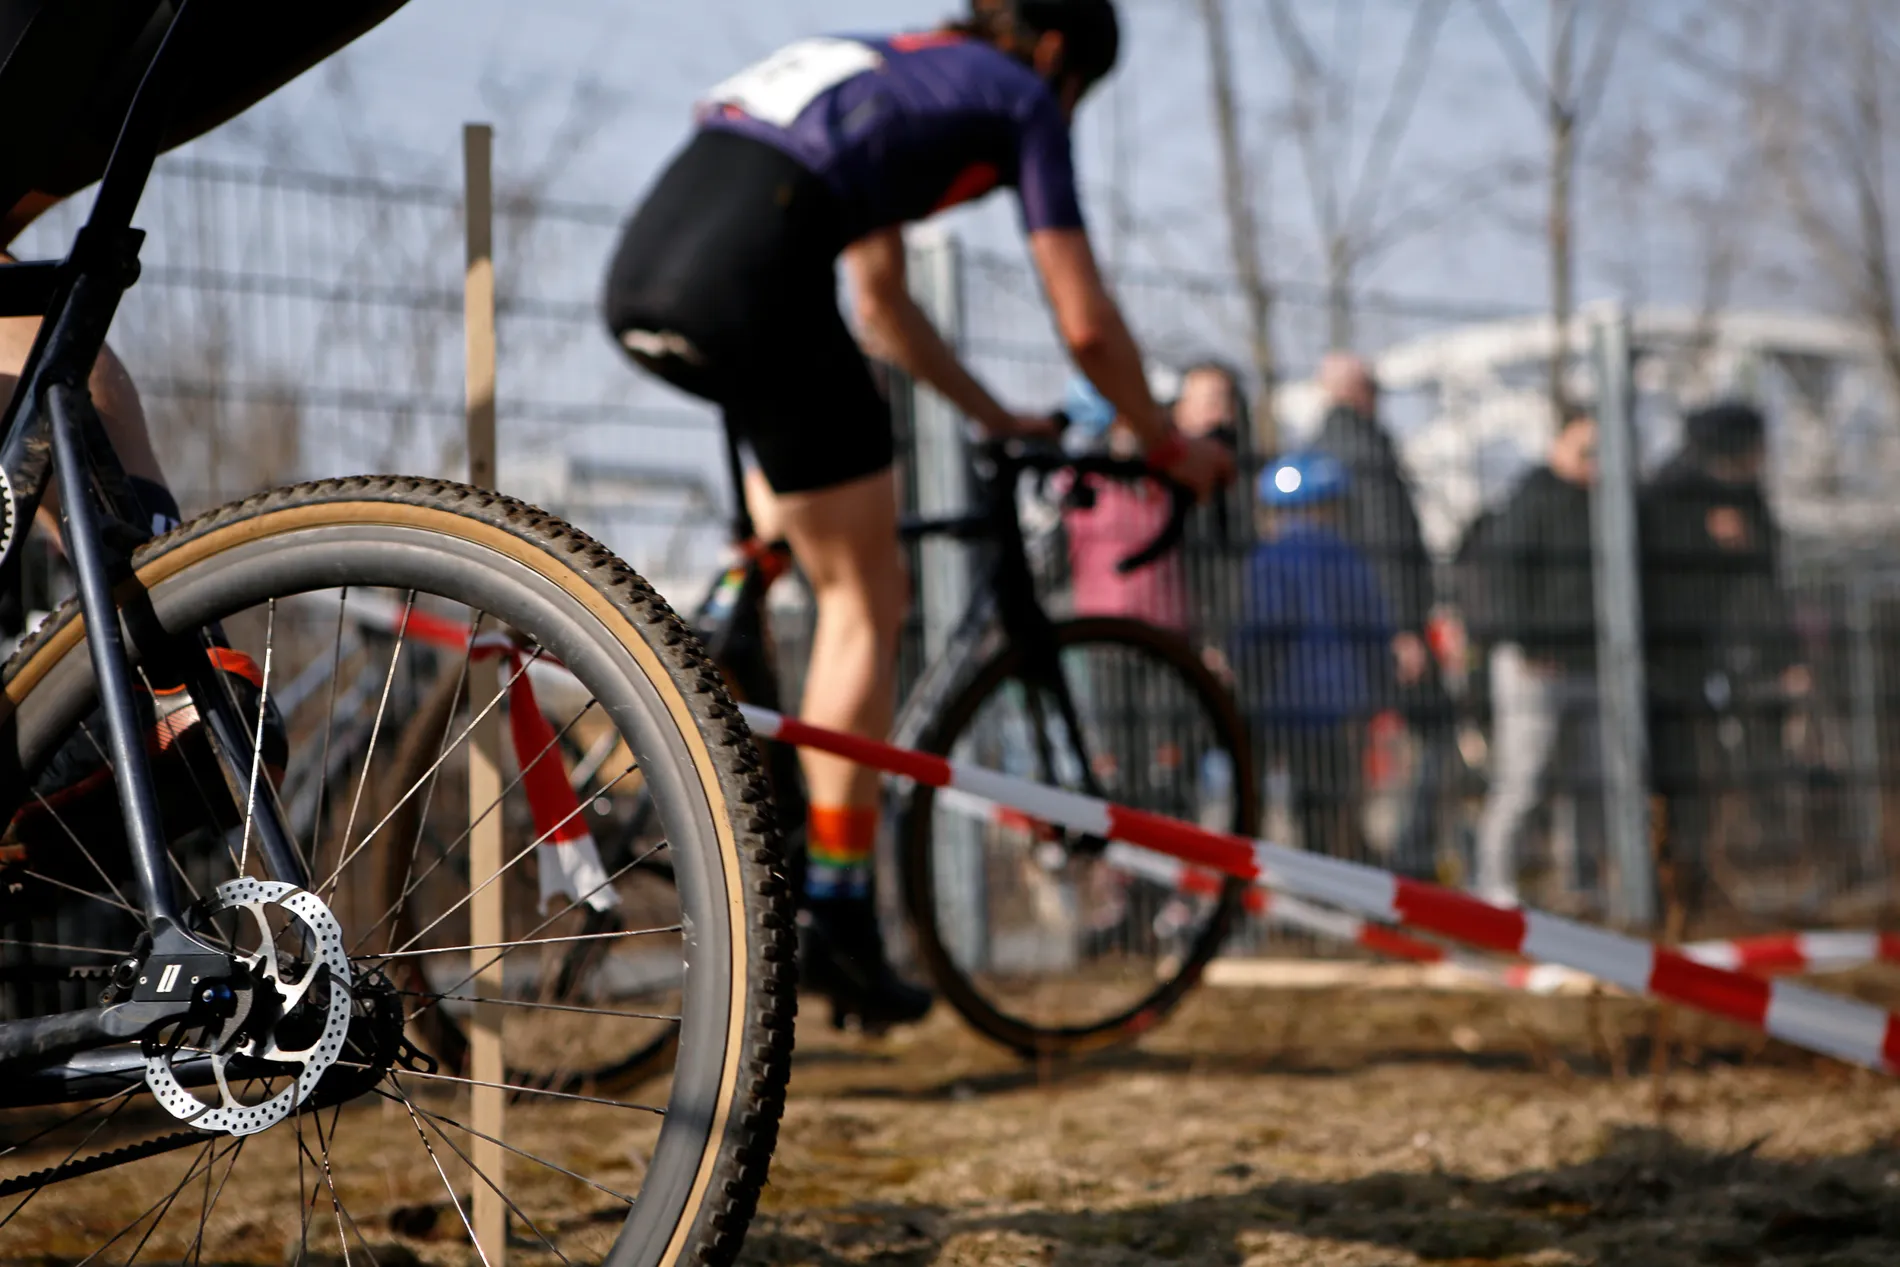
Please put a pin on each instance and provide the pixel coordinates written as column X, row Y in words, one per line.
column 1005, row 591
column 50, row 424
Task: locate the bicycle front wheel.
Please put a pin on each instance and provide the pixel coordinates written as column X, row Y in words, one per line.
column 1052, row 944
column 369, row 1143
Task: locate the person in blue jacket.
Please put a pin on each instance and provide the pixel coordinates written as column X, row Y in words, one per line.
column 1313, row 646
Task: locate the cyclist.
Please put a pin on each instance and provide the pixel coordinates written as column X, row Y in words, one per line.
column 724, row 285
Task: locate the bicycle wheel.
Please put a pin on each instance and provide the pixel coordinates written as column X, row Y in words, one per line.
column 1051, row 944
column 141, row 1149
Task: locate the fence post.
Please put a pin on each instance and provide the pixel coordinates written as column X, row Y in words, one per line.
column 940, row 456
column 1864, row 724
column 940, row 480
column 487, row 1063
column 1621, row 687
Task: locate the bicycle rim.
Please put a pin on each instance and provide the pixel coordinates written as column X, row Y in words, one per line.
column 1044, row 943
column 386, row 1152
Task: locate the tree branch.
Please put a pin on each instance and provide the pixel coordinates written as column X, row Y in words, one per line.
column 1427, row 20
column 1517, row 53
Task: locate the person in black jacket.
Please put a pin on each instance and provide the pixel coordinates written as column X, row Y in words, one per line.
column 1380, row 518
column 1540, row 613
column 1718, row 632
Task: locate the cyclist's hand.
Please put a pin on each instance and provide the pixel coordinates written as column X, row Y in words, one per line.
column 1202, row 465
column 1024, row 427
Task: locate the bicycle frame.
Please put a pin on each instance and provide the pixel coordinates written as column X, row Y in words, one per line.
column 50, row 424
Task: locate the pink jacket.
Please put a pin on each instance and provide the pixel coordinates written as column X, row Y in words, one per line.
column 1124, row 519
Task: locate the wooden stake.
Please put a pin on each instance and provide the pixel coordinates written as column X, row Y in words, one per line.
column 487, row 1063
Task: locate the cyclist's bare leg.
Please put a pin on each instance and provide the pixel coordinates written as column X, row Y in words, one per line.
column 113, row 393
column 762, row 504
column 845, row 540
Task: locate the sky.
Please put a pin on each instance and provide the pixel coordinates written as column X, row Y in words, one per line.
column 621, row 77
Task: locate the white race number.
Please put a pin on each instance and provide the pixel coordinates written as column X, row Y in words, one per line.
column 778, row 89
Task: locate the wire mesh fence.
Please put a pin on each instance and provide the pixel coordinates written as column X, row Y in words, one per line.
column 291, row 325
column 1417, row 655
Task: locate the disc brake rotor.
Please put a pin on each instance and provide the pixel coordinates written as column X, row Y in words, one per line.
column 281, row 1025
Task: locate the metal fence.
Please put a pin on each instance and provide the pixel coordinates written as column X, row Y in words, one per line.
column 1763, row 602
column 293, row 325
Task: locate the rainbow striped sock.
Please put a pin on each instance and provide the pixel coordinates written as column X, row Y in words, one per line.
column 840, row 841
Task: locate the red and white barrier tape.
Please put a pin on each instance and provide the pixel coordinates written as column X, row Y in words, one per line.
column 1776, row 954
column 1851, row 1031
column 1260, row 901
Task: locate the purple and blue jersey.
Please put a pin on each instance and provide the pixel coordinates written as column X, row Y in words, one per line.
column 905, row 126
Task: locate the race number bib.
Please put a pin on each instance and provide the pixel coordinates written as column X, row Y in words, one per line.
column 778, row 89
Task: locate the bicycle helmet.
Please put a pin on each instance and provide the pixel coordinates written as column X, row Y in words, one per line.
column 1090, row 30
column 1304, row 479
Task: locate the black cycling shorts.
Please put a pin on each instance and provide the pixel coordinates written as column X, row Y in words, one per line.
column 725, row 285
column 69, row 71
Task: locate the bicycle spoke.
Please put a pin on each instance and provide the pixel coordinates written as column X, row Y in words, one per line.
column 382, row 707
column 444, row 854
column 523, row 1090
column 541, row 1006
column 205, row 1156
column 345, row 1221
column 124, row 1098
column 84, row 852
column 529, row 848
column 433, row 777
column 336, row 874
column 211, row 1199
column 88, row 894
column 448, row 1187
column 568, row 909
column 329, row 725
column 54, row 945
column 517, row 1150
column 257, row 738
column 476, row 1170
column 511, row 946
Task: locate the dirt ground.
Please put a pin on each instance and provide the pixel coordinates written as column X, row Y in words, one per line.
column 1346, row 1128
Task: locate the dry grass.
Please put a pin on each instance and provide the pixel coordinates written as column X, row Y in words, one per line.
column 1341, row 1127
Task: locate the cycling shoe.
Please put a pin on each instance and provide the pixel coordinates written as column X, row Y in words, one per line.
column 841, row 956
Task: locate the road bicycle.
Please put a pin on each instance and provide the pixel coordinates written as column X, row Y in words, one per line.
column 1035, row 937
column 221, row 1024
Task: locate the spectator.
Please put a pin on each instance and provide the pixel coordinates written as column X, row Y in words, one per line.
column 1194, row 591
column 1212, row 402
column 1380, row 519
column 1539, row 603
column 1119, row 520
column 1717, row 628
column 1313, row 646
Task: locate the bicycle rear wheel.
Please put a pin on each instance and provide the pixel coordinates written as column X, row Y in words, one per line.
column 382, row 1147
column 1044, row 942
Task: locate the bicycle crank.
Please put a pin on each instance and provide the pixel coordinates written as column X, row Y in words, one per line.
column 285, row 1016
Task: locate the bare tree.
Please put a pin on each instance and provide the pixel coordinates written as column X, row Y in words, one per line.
column 1347, row 199
column 1567, row 101
column 1243, row 230
column 1821, row 111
